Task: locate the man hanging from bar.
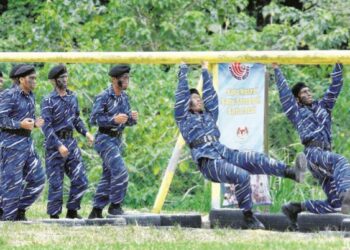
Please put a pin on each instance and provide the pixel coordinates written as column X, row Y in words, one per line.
column 111, row 112
column 60, row 110
column 312, row 120
column 196, row 119
column 22, row 177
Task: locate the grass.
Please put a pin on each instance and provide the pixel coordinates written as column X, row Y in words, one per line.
column 41, row 236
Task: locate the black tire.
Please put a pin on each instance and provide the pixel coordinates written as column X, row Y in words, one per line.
column 183, row 220
column 277, row 222
column 309, row 222
column 139, row 219
column 107, row 221
column 64, row 222
column 226, row 217
column 345, row 225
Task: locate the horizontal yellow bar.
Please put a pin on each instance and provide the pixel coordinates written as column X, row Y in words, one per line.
column 191, row 57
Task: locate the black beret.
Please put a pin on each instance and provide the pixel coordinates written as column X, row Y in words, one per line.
column 56, row 71
column 24, row 70
column 119, row 70
column 194, row 91
column 297, row 87
column 14, row 69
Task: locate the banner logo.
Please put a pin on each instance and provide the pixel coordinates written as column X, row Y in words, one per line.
column 242, row 132
column 239, row 71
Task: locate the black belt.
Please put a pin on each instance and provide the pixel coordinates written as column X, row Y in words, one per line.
column 319, row 144
column 64, row 134
column 110, row 132
column 20, row 132
column 203, row 140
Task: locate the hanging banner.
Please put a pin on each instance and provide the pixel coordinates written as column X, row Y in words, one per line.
column 241, row 120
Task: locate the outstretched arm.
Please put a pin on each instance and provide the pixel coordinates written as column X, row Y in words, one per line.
column 330, row 97
column 210, row 96
column 288, row 101
column 182, row 95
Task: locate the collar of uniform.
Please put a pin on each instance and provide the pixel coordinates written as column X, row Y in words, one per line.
column 54, row 93
column 110, row 91
column 312, row 106
column 19, row 90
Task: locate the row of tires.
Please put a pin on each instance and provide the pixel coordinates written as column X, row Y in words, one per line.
column 183, row 220
column 222, row 218
column 307, row 222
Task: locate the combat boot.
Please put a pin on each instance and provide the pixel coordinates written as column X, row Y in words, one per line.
column 54, row 216
column 345, row 205
column 115, row 209
column 251, row 222
column 73, row 214
column 297, row 173
column 96, row 213
column 291, row 210
column 21, row 215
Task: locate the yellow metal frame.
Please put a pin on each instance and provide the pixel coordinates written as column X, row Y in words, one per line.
column 174, row 57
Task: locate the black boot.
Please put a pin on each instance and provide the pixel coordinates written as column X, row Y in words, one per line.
column 96, row 213
column 1, row 213
column 291, row 210
column 297, row 173
column 21, row 215
column 251, row 221
column 54, row 216
column 73, row 214
column 115, row 209
column 345, row 205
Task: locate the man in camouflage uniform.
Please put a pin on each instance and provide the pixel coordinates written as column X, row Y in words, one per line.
column 22, row 175
column 60, row 111
column 196, row 119
column 112, row 113
column 312, row 119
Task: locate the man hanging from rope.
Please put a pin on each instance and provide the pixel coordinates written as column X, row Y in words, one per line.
column 196, row 119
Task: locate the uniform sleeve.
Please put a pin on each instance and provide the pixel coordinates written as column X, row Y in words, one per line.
column 50, row 135
column 78, row 123
column 99, row 115
column 332, row 93
column 210, row 97
column 7, row 104
column 130, row 122
column 288, row 101
column 182, row 95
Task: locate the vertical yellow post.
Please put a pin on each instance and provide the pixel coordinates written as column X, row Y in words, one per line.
column 215, row 187
column 168, row 176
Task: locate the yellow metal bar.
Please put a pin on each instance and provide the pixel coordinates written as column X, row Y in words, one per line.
column 191, row 57
column 215, row 187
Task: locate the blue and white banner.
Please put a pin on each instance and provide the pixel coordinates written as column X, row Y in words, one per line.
column 241, row 119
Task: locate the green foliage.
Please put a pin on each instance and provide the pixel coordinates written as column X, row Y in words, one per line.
column 149, row 25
